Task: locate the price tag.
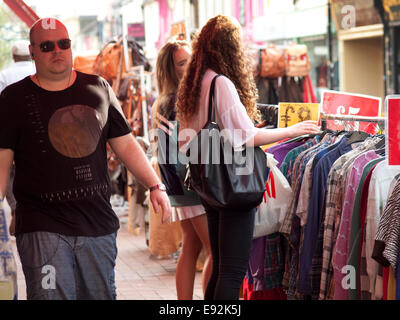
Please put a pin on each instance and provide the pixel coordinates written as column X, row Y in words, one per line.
column 292, row 113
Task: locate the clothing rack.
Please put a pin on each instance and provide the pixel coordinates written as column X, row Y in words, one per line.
column 324, row 117
column 138, row 73
column 269, row 114
column 261, row 105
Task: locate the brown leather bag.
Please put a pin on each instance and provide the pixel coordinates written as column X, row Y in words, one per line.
column 107, row 61
column 272, row 63
column 296, row 59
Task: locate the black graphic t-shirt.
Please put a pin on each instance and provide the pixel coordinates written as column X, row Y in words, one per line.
column 59, row 142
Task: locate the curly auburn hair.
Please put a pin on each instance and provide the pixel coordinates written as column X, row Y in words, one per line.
column 218, row 47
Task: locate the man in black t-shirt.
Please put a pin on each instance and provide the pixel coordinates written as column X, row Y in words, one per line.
column 55, row 126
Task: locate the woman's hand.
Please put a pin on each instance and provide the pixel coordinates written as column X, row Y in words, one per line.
column 305, row 127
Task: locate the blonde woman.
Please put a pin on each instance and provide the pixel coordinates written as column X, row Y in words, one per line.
column 187, row 208
column 218, row 50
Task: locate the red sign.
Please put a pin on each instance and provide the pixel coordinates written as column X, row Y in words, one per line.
column 393, row 131
column 341, row 103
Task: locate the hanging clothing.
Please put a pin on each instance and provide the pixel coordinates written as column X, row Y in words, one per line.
column 340, row 256
column 388, row 231
column 266, row 263
column 291, row 90
column 354, row 229
column 322, row 164
column 333, row 210
column 324, row 225
column 382, row 182
column 362, row 291
column 8, row 267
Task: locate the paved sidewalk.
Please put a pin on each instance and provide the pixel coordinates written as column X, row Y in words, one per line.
column 137, row 275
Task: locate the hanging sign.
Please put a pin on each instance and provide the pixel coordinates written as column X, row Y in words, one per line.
column 292, row 113
column 179, row 30
column 393, row 130
column 342, row 103
column 392, row 7
column 136, row 31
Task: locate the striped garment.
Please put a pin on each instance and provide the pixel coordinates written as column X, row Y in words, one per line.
column 389, row 227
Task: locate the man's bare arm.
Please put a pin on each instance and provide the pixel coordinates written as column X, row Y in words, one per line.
column 133, row 157
column 6, row 160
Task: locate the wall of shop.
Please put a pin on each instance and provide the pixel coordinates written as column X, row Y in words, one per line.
column 361, row 56
column 360, row 48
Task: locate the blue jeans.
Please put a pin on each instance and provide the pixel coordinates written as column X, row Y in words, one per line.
column 58, row 267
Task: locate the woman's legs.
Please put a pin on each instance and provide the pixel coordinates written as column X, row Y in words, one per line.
column 231, row 235
column 200, row 225
column 186, row 266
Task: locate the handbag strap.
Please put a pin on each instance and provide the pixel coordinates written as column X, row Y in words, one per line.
column 210, row 99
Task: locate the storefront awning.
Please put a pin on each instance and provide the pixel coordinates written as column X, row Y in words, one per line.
column 23, row 11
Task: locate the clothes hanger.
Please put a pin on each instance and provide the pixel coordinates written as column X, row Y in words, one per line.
column 381, row 144
column 357, row 136
column 381, row 152
column 300, row 138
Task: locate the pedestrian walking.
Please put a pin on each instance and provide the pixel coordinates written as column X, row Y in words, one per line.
column 22, row 67
column 186, row 205
column 58, row 123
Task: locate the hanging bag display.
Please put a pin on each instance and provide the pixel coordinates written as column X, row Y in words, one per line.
column 217, row 172
column 309, row 94
column 272, row 63
column 277, row 198
column 297, row 62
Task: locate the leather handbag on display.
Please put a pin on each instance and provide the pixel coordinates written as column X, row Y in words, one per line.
column 225, row 178
column 272, row 63
column 296, row 59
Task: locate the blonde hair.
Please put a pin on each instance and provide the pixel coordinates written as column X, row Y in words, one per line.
column 218, row 47
column 166, row 77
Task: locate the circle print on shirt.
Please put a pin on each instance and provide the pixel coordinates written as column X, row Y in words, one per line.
column 75, row 131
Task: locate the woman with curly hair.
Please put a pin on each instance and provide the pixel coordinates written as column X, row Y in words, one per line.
column 218, row 50
column 186, row 206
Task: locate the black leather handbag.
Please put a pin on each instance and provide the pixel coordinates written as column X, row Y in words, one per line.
column 225, row 178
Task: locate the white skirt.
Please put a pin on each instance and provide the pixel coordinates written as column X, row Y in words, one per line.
column 183, row 213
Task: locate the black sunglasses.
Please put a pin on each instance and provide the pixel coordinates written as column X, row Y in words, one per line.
column 48, row 46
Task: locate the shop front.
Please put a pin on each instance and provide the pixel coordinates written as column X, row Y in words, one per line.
column 361, row 54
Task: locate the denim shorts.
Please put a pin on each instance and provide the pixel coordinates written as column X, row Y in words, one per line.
column 58, row 267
